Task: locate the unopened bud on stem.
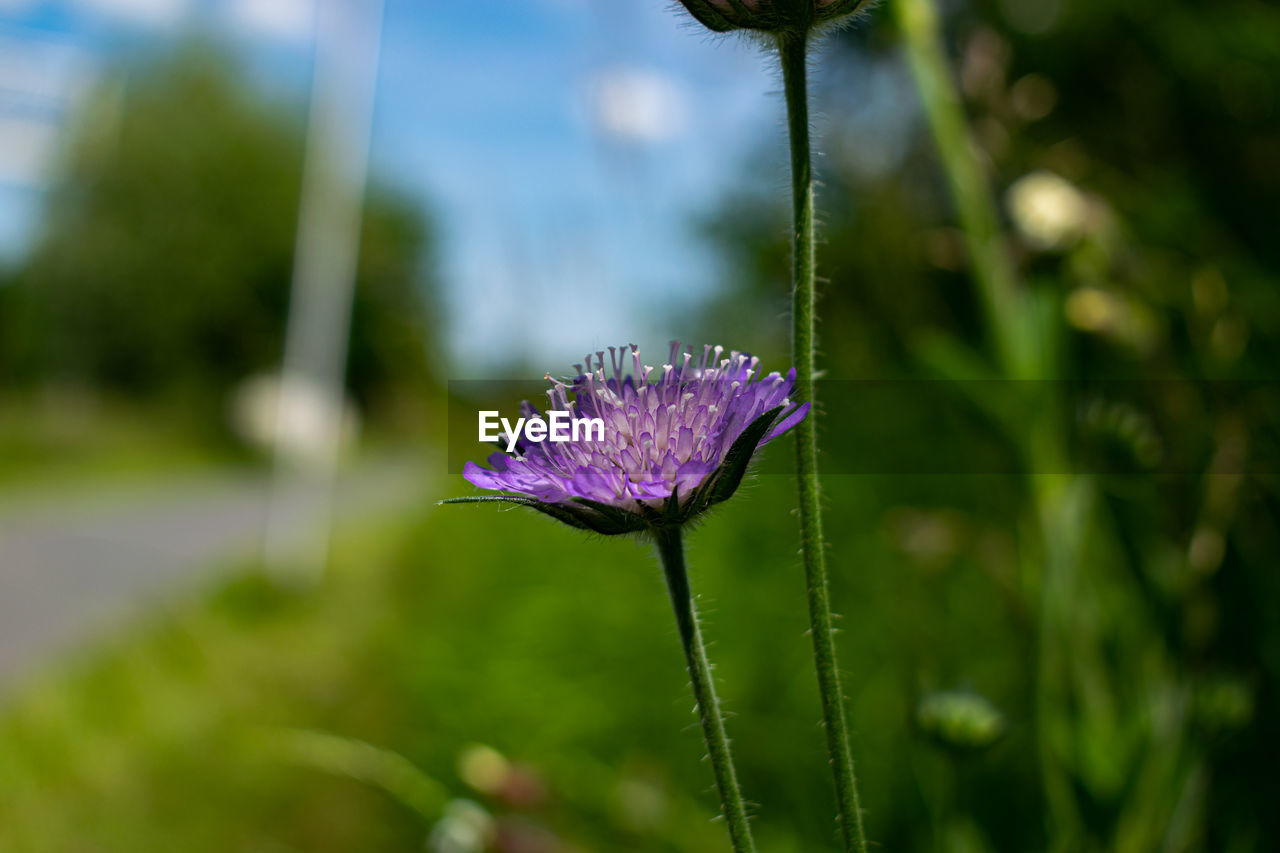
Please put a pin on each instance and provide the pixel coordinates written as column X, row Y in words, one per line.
column 770, row 16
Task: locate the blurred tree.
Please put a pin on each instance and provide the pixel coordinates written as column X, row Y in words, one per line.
column 163, row 269
column 1170, row 119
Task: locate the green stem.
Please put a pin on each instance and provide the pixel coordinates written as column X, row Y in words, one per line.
column 792, row 49
column 671, row 550
column 979, row 220
column 1060, row 505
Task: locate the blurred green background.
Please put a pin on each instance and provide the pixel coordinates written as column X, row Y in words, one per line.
column 1058, row 603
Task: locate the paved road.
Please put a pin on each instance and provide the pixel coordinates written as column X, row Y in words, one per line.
column 72, row 563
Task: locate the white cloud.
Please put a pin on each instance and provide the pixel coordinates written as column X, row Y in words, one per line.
column 637, row 105
column 149, row 13
column 286, row 20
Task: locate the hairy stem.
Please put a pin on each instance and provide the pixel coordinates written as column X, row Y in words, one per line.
column 792, row 49
column 671, row 550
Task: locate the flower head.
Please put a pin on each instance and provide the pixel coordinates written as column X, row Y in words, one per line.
column 676, row 439
column 771, row 16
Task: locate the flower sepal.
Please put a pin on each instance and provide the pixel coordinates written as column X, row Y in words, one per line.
column 571, row 514
column 730, row 473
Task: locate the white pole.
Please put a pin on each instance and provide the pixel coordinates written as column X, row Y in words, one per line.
column 310, row 400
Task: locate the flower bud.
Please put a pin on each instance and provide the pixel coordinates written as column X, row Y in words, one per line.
column 960, row 720
column 770, row 16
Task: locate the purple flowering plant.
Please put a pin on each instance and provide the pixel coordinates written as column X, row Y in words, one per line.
column 788, row 28
column 677, row 440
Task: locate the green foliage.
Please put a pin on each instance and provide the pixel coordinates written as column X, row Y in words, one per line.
column 333, row 720
column 1118, row 610
column 164, row 264
column 1138, row 498
column 253, row 717
column 556, row 649
column 960, row 720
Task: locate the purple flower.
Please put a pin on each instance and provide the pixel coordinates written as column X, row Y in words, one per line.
column 676, row 439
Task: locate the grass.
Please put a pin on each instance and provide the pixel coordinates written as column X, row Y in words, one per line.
column 65, row 439
column 250, row 718
column 246, row 717
column 439, row 629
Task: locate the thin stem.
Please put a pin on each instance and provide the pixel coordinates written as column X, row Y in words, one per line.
column 671, row 550
column 792, row 50
column 980, row 222
column 1060, row 505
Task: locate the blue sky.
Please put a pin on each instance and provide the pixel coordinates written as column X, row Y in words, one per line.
column 563, row 145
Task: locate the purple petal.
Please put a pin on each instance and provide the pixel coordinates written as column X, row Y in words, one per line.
column 789, row 420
